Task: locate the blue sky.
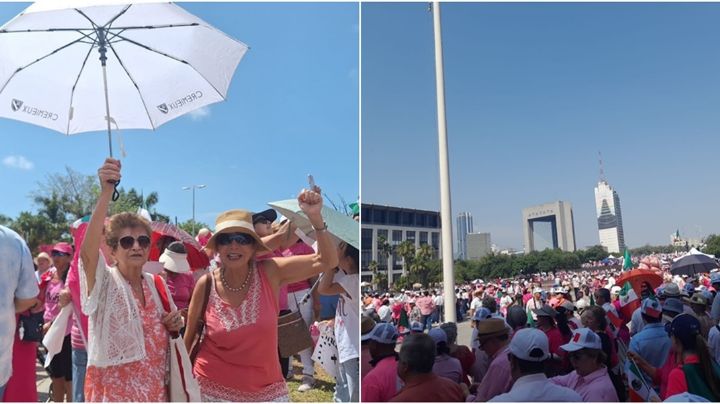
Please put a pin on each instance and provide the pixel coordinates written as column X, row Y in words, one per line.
column 292, row 109
column 533, row 92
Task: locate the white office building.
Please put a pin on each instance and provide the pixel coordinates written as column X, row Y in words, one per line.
column 609, row 217
column 395, row 225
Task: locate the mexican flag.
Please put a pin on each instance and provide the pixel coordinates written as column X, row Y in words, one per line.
column 629, row 301
column 627, row 262
column 639, row 390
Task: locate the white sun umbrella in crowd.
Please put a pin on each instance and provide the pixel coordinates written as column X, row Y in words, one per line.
column 67, row 65
column 341, row 227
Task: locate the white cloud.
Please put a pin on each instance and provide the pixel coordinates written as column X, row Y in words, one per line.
column 200, row 113
column 19, row 162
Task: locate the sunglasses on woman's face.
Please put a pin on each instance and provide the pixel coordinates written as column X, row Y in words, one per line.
column 263, row 221
column 128, row 242
column 240, row 238
column 59, row 254
column 576, row 355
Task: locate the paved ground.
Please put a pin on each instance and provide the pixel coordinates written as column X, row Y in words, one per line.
column 42, row 381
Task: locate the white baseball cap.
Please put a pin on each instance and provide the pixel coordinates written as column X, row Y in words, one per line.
column 582, row 338
column 651, row 307
column 530, row 344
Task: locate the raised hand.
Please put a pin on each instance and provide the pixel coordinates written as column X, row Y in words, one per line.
column 310, row 201
column 109, row 174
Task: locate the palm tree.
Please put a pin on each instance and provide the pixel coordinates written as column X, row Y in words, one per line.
column 406, row 250
column 386, row 250
column 373, row 267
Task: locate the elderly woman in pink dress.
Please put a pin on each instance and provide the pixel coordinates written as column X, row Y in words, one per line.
column 237, row 358
column 128, row 328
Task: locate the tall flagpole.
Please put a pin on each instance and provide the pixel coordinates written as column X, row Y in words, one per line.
column 445, row 213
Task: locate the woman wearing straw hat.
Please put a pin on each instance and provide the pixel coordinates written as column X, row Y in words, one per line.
column 237, row 357
column 129, row 335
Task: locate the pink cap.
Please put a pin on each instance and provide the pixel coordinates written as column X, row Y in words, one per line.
column 63, row 247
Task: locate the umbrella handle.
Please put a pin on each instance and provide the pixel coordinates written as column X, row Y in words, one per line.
column 116, row 194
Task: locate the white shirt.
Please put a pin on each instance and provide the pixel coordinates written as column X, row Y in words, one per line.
column 537, row 388
column 385, row 314
column 439, row 300
column 714, row 343
column 17, row 280
column 347, row 317
column 475, row 304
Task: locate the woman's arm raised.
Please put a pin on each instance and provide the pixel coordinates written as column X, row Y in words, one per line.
column 109, row 174
column 293, row 269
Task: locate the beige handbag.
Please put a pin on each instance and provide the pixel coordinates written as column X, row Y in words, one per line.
column 293, row 333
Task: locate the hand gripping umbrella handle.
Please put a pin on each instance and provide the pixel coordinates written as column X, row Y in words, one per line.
column 116, row 194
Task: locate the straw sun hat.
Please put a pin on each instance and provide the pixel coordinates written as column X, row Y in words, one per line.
column 236, row 221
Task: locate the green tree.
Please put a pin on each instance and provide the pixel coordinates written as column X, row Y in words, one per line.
column 192, row 227
column 406, row 250
column 38, row 230
column 385, row 250
column 712, row 245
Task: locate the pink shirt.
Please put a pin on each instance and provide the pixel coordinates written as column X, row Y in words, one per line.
column 380, row 385
column 498, row 379
column 181, row 288
column 595, row 387
column 237, row 360
column 298, row 249
column 426, row 305
column 283, row 292
column 52, row 302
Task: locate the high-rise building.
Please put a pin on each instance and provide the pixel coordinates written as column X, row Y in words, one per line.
column 464, row 227
column 609, row 216
column 478, row 245
column 550, row 225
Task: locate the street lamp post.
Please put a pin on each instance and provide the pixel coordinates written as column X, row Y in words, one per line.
column 193, row 187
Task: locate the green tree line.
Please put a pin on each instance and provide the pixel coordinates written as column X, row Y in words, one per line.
column 65, row 197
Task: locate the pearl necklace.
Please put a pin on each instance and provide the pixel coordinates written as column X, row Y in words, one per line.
column 227, row 285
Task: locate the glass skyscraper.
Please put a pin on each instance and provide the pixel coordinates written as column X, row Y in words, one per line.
column 464, row 227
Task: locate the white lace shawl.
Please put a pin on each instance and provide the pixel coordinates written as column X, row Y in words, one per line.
column 114, row 322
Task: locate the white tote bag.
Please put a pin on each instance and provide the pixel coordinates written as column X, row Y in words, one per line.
column 54, row 338
column 183, row 387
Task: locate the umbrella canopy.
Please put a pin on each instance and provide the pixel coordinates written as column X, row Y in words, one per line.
column 636, row 277
column 692, row 263
column 341, row 227
column 65, row 63
column 417, row 285
column 195, row 256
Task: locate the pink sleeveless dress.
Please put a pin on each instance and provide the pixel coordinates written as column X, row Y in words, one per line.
column 238, row 358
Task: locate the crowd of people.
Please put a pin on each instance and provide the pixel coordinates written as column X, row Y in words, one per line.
column 115, row 344
column 563, row 336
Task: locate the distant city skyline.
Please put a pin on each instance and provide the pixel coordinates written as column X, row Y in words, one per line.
column 533, row 91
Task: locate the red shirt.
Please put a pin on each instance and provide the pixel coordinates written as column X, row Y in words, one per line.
column 430, row 388
column 676, row 379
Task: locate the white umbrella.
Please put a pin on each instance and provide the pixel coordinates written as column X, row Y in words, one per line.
column 67, row 65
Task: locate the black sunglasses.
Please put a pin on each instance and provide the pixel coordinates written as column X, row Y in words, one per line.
column 59, row 254
column 262, row 220
column 128, row 242
column 240, row 238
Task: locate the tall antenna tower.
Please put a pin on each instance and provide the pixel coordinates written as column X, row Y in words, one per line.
column 602, row 171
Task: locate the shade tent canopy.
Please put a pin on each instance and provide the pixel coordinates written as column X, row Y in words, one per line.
column 161, row 62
